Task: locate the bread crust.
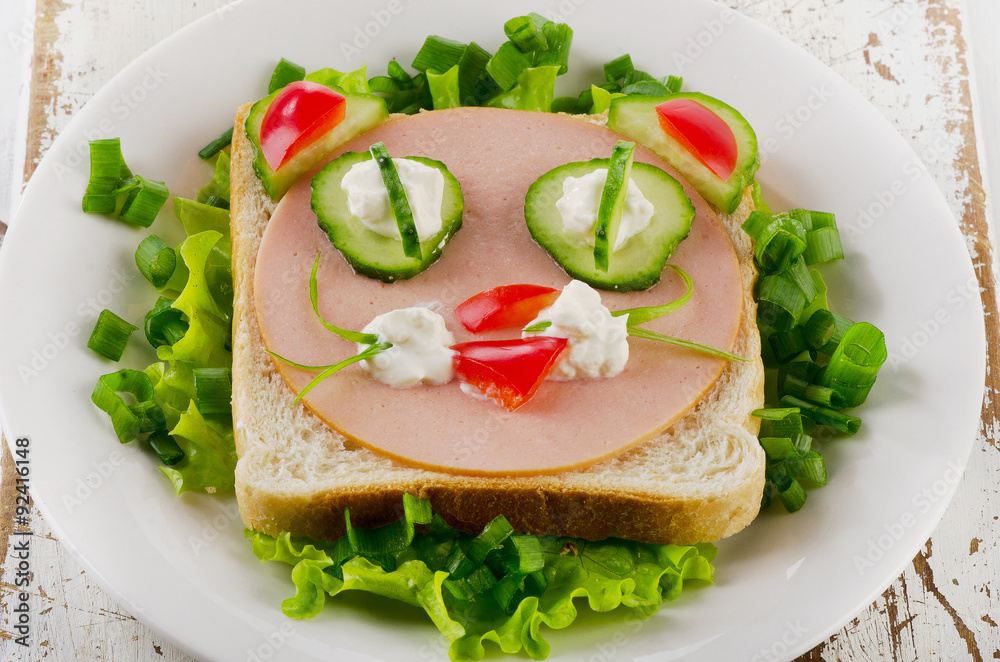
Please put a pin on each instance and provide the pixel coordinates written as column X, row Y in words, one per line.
column 295, row 474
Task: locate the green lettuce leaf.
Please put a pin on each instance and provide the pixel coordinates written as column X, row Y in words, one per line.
column 219, row 186
column 209, row 455
column 608, row 574
column 206, row 342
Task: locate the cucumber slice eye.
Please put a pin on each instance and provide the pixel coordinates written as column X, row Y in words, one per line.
column 638, row 264
column 369, row 253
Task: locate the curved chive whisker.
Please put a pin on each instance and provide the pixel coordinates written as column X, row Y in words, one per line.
column 346, row 334
column 636, row 332
column 649, row 313
column 397, row 200
column 331, row 369
column 609, row 213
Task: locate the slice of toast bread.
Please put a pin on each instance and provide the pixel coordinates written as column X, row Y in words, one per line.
column 700, row 480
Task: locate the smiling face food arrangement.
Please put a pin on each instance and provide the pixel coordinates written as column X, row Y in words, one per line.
column 486, row 358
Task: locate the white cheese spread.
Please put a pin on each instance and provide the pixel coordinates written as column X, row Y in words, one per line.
column 598, row 342
column 420, row 351
column 581, row 199
column 368, row 201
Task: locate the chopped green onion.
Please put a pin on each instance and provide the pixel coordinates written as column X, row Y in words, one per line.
column 791, row 493
column 787, row 344
column 520, row 555
column 813, row 220
column 436, row 55
column 471, row 68
column 398, row 73
column 397, row 200
column 673, row 85
column 823, row 396
column 214, row 387
column 284, row 73
column 156, row 260
column 444, row 88
column 353, row 336
column 609, row 213
column 467, row 588
column 150, row 416
column 618, row 68
column 823, row 245
column 526, row 33
column 779, row 302
column 217, row 145
column 855, row 363
column 506, row 65
column 824, row 330
column 107, row 171
column 645, row 314
column 110, row 335
column 164, row 324
column 584, row 102
column 636, row 332
column 391, row 538
column 492, row 536
column 650, row 87
column 778, row 240
column 824, row 415
column 144, row 200
column 508, row 592
column 166, row 447
column 106, row 397
column 559, row 37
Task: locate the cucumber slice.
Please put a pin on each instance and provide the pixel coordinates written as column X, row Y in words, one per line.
column 638, row 264
column 370, row 253
column 635, row 116
column 363, row 112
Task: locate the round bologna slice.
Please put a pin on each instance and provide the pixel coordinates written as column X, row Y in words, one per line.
column 495, row 154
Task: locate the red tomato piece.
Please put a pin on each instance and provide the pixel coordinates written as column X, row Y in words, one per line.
column 504, row 306
column 298, row 117
column 703, row 133
column 508, row 371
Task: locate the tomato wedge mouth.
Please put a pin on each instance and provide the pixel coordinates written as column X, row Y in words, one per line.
column 702, row 133
column 508, row 372
column 504, row 307
column 299, row 116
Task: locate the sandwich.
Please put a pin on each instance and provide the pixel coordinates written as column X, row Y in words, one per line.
column 695, row 475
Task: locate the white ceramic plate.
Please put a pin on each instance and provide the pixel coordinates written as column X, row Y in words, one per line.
column 182, row 565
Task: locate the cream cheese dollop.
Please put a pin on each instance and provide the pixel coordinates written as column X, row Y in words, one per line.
column 368, row 201
column 581, row 199
column 598, row 342
column 421, row 348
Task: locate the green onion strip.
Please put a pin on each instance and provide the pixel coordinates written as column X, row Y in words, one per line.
column 346, row 334
column 397, row 200
column 645, row 314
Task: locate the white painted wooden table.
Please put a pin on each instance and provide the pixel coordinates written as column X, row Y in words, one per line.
column 930, row 66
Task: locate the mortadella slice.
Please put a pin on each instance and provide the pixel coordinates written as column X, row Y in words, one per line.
column 495, row 154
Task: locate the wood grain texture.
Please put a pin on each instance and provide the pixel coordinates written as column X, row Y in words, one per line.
column 909, row 57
